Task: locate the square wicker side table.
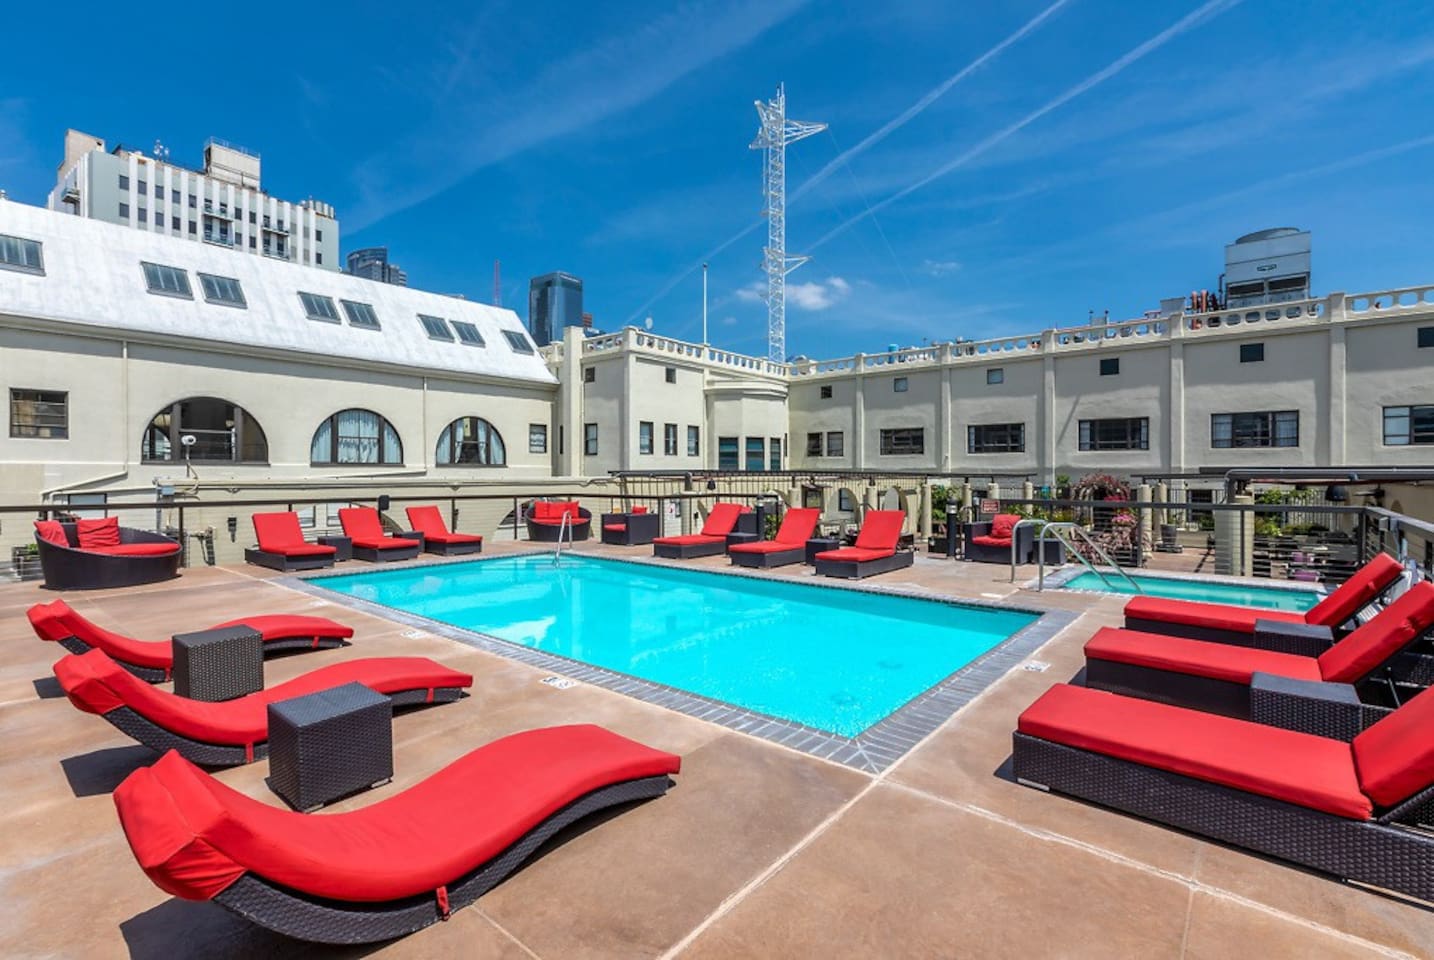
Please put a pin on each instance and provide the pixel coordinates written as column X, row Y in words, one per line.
column 218, row 664
column 343, row 547
column 818, row 545
column 329, row 744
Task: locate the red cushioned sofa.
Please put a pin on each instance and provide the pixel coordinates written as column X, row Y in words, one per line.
column 710, row 541
column 153, row 660
column 1232, row 624
column 787, row 547
column 281, row 545
column 363, row 527
column 631, row 529
column 236, row 731
column 392, row 867
column 876, row 549
column 437, row 538
column 990, row 542
column 1346, row 809
column 97, row 554
column 545, row 520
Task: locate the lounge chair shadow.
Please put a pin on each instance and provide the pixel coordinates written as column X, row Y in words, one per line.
column 176, row 927
column 48, row 688
column 100, row 771
column 271, row 655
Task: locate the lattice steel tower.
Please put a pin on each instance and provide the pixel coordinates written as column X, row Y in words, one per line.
column 773, row 136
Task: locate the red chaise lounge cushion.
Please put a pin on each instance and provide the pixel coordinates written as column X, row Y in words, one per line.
column 194, row 836
column 1218, row 661
column 280, row 533
column 879, row 535
column 362, row 526
column 429, row 522
column 52, row 531
column 986, row 540
column 720, row 522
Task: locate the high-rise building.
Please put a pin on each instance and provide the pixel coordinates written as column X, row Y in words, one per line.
column 555, row 301
column 222, row 204
column 372, row 263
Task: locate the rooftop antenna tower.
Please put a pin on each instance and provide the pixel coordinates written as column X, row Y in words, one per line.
column 773, row 136
column 497, row 283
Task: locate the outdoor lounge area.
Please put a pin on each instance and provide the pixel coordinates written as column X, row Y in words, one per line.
column 815, row 859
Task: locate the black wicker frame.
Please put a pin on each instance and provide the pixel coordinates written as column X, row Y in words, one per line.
column 640, row 529
column 151, row 735
column 690, row 551
column 70, row 568
column 859, row 569
column 149, row 674
column 452, row 549
column 548, row 532
column 1389, row 852
column 766, row 561
column 387, row 554
column 319, row 920
column 1025, row 538
column 155, row 675
column 281, row 562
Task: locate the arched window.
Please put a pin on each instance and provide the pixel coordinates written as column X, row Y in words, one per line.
column 355, row 436
column 222, row 431
column 470, row 441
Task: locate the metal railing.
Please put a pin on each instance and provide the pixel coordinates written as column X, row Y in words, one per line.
column 1057, row 530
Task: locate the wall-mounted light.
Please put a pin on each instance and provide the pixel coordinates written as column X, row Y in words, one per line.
column 233, row 524
column 383, row 502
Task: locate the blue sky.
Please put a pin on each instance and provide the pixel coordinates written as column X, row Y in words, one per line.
column 989, row 168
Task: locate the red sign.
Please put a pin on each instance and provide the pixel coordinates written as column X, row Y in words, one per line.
column 990, row 507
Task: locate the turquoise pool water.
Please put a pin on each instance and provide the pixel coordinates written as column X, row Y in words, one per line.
column 838, row 660
column 1267, row 598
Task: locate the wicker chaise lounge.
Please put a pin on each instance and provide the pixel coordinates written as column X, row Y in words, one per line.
column 395, row 866
column 788, row 546
column 875, row 550
column 545, row 520
column 1348, row 809
column 363, row 527
column 1223, row 678
column 281, row 545
column 635, row 528
column 1231, row 624
column 437, row 538
column 153, row 660
column 100, row 554
column 709, row 542
column 237, row 731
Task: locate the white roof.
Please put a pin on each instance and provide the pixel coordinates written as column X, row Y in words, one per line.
column 93, row 276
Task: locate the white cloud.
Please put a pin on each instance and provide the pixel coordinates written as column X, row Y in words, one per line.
column 813, row 296
column 729, row 321
column 940, row 268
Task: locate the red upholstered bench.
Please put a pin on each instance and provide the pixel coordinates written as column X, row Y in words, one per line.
column 97, row 554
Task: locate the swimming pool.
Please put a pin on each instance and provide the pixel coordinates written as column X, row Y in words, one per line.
column 835, row 659
column 1267, row 598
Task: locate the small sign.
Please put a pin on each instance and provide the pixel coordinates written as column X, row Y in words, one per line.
column 560, row 683
column 990, row 507
column 1035, row 666
column 414, row 634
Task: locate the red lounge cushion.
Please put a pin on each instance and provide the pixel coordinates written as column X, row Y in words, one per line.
column 615, row 527
column 1218, row 661
column 858, row 554
column 986, row 540
column 765, row 546
column 639, row 509
column 723, row 519
column 138, row 549
column 305, row 550
column 360, row 522
column 690, row 539
column 881, row 530
column 141, row 653
column 1395, row 757
column 558, row 521
column 98, row 533
column 279, row 533
column 384, row 543
column 1003, row 525
column 194, row 836
column 1371, row 644
column 427, row 521
column 1211, row 616
column 290, row 626
column 46, row 623
column 453, row 538
column 1356, row 593
column 1294, row 767
column 798, row 526
column 52, row 531
column 96, row 684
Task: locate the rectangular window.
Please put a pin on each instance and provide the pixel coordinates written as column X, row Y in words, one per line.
column 899, row 385
column 844, row 502
column 223, row 290
column 319, row 307
column 176, row 224
column 1252, row 352
column 1406, row 425
column 589, row 374
column 468, row 334
column 194, row 229
column 193, row 201
column 826, row 392
column 435, row 327
column 995, row 375
column 1265, row 429
column 124, row 211
column 669, row 439
column 174, row 196
column 518, row 341
column 1109, row 366
column 537, row 438
column 644, row 436
column 17, row 253
column 159, row 218
column 836, row 443
column 1124, row 433
column 318, row 234
column 727, row 453
column 590, row 439
column 694, row 442
column 774, row 453
column 814, row 444
column 159, row 190
column 252, row 238
column 756, row 453
column 671, row 374
column 143, row 188
column 167, row 281
column 996, row 438
column 903, row 441
column 1425, row 337
column 42, row 414
column 123, row 182
column 360, row 315
column 318, row 257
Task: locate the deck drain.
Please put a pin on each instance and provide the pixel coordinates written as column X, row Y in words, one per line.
column 560, row 683
column 1035, row 666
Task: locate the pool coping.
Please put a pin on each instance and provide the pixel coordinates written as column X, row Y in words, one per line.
column 1061, row 577
column 870, row 751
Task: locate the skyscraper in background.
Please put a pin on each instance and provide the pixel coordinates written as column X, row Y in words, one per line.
column 372, row 263
column 555, row 301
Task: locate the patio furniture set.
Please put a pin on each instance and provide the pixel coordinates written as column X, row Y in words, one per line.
column 281, row 544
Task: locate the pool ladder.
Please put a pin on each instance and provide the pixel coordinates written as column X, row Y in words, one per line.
column 565, row 524
column 1066, row 533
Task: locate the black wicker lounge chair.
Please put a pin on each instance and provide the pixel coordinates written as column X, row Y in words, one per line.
column 100, row 554
column 281, row 545
column 876, row 550
column 787, row 547
column 392, row 867
column 711, row 541
column 363, row 527
column 437, row 538
column 237, row 731
column 631, row 529
column 1357, row 810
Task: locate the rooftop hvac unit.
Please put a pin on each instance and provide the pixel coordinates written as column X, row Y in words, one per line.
column 1268, row 266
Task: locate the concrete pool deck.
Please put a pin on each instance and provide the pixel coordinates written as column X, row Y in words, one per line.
column 760, row 850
